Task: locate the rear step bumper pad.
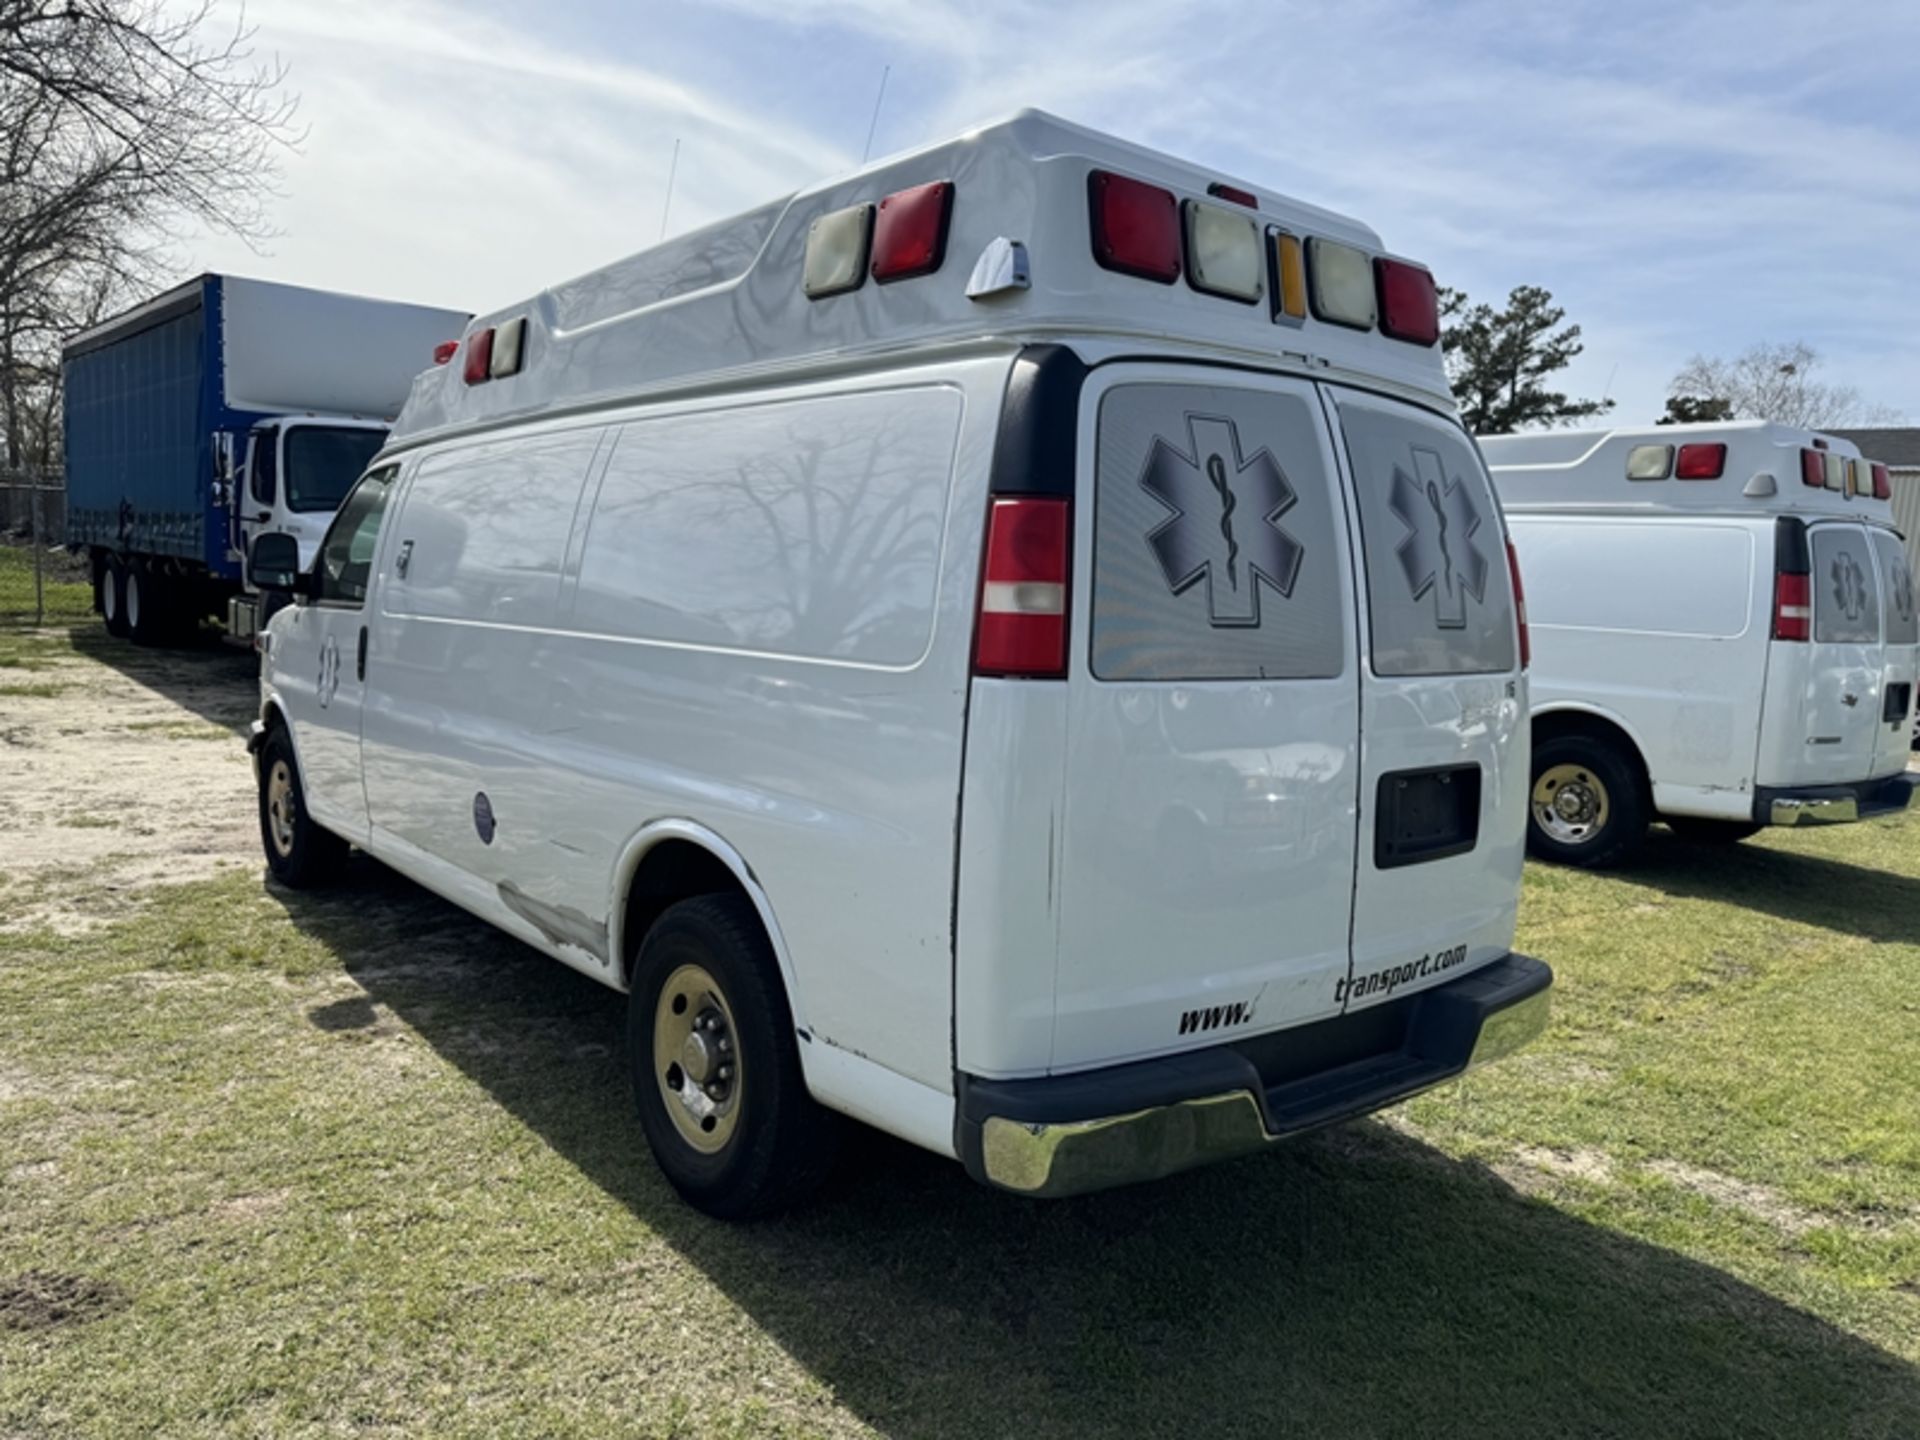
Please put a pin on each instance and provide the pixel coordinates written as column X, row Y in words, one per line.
column 1833, row 804
column 1067, row 1134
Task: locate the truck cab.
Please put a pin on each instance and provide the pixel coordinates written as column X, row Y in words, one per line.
column 291, row 474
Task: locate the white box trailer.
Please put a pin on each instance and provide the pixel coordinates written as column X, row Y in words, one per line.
column 1011, row 645
column 1724, row 631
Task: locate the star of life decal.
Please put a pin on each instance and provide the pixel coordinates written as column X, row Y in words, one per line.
column 1438, row 554
column 1224, row 529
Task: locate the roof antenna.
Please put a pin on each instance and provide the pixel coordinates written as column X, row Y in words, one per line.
column 874, row 123
column 673, row 169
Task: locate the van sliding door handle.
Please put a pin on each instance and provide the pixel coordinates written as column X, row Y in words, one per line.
column 360, row 666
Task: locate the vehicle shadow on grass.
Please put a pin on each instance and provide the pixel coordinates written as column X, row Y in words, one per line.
column 1878, row 905
column 1357, row 1283
column 216, row 681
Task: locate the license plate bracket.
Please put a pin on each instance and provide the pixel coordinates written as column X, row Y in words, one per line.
column 1422, row 815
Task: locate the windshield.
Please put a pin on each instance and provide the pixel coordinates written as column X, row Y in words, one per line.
column 322, row 463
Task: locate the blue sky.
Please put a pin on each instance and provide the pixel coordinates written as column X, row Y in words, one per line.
column 1683, row 178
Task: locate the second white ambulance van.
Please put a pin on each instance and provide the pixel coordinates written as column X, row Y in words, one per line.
column 1011, row 645
column 1724, row 632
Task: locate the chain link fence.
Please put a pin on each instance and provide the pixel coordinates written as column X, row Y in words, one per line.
column 40, row 584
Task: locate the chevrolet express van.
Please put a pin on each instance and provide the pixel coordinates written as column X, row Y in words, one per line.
column 1724, row 632
column 1012, row 647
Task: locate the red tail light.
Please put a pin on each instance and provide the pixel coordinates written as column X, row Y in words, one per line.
column 910, row 231
column 1409, row 304
column 1792, row 607
column 1136, row 227
column 445, row 351
column 1813, row 469
column 1882, row 483
column 1520, row 607
column 479, row 356
column 1022, row 630
column 1701, row 462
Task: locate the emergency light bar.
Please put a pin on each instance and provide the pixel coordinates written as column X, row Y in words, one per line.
column 1145, row 231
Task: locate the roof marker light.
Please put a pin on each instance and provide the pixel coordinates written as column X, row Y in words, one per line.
column 837, row 245
column 445, row 351
column 1340, row 284
column 1220, row 190
column 1836, row 472
column 1882, row 482
column 910, row 232
column 1409, row 303
column 1813, row 468
column 1649, row 462
column 1223, row 252
column 1289, row 277
column 1701, row 462
column 479, row 366
column 509, row 345
column 1136, row 227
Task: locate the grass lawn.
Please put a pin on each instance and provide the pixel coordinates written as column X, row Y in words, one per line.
column 68, row 596
column 275, row 1164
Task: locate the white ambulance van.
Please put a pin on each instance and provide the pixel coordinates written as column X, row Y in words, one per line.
column 1011, row 646
column 1723, row 628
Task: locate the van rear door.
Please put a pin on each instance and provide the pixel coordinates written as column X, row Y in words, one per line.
column 1443, row 705
column 1208, row 846
column 1900, row 629
column 1845, row 658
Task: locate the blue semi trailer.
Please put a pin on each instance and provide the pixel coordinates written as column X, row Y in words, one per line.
column 219, row 411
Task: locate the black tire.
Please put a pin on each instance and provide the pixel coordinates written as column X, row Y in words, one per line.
column 113, row 595
column 782, row 1142
column 301, row 855
column 1610, row 820
column 148, row 603
column 1712, row 832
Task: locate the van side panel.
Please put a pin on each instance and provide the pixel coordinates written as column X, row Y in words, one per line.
column 1661, row 625
column 765, row 616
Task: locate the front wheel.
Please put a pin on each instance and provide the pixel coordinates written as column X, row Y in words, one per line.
column 1712, row 832
column 1588, row 806
column 300, row 854
column 716, row 1064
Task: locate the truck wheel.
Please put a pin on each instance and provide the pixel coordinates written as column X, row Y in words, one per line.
column 147, row 601
column 716, row 1064
column 300, row 854
column 1712, row 832
column 1588, row 806
column 113, row 595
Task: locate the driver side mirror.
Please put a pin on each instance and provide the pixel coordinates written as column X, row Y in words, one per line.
column 274, row 564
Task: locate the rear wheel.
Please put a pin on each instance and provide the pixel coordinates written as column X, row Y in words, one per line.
column 146, row 598
column 1588, row 805
column 1712, row 832
column 716, row 1064
column 113, row 593
column 300, row 853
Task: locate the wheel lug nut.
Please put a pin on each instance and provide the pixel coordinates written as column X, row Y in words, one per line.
column 725, row 1072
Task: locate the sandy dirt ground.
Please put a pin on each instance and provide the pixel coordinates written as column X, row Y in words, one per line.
column 121, row 769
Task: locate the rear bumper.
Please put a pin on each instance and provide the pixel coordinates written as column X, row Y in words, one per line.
column 1833, row 804
column 1072, row 1133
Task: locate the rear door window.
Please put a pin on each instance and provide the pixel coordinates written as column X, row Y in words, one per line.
column 1903, row 623
column 1846, row 596
column 1215, row 555
column 1431, row 532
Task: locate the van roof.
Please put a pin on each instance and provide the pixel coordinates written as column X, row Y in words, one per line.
column 725, row 304
column 1762, row 472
